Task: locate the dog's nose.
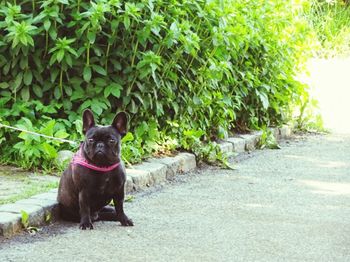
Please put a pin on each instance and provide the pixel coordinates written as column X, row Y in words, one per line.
column 100, row 145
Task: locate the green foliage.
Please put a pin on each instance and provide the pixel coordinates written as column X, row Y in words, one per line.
column 129, row 198
column 330, row 20
column 24, row 219
column 25, row 223
column 185, row 71
column 48, row 217
column 268, row 140
column 310, row 119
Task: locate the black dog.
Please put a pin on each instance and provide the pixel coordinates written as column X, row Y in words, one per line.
column 95, row 176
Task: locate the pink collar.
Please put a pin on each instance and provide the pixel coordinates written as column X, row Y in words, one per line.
column 79, row 159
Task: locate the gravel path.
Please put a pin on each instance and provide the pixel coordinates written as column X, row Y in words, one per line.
column 291, row 204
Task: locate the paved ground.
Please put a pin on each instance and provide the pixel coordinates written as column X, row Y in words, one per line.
column 291, row 204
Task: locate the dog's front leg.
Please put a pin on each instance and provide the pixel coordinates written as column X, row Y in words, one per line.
column 118, row 203
column 84, row 209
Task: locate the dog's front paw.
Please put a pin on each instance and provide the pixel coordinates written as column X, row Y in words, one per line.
column 86, row 223
column 125, row 221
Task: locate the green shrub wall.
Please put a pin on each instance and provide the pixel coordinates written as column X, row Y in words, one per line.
column 178, row 68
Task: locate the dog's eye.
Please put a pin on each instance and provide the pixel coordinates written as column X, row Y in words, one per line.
column 91, row 140
column 112, row 141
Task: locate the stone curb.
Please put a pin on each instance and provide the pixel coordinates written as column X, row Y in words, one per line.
column 152, row 172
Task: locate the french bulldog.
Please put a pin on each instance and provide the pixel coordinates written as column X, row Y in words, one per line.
column 95, row 176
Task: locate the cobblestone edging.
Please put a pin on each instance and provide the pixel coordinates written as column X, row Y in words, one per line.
column 151, row 172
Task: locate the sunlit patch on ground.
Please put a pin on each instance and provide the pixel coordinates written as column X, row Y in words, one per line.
column 329, row 81
column 321, row 163
column 327, row 187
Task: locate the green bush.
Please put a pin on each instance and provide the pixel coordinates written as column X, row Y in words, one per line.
column 176, row 67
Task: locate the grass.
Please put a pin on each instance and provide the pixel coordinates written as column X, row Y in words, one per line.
column 21, row 187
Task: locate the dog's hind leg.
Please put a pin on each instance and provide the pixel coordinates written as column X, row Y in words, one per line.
column 69, row 214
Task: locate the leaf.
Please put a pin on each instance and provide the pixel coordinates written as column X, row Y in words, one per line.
column 49, row 150
column 53, row 59
column 60, row 55
column 85, row 105
column 28, row 77
column 25, row 93
column 48, row 128
column 113, row 89
column 53, row 33
column 65, row 2
column 128, row 137
column 197, row 100
column 18, row 81
column 61, row 134
column 116, row 92
column 96, row 109
column 48, row 217
column 57, row 93
column 91, row 35
column 68, row 90
column 68, row 60
column 114, row 24
column 126, row 22
column 87, row 73
column 67, row 105
column 47, row 24
column 274, row 146
column 264, row 100
column 54, row 73
column 78, row 93
column 99, row 69
column 4, row 85
column 24, row 218
column 101, row 82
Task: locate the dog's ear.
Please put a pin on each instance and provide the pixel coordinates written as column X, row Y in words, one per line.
column 88, row 120
column 120, row 123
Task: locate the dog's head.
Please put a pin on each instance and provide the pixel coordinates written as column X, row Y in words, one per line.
column 103, row 143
